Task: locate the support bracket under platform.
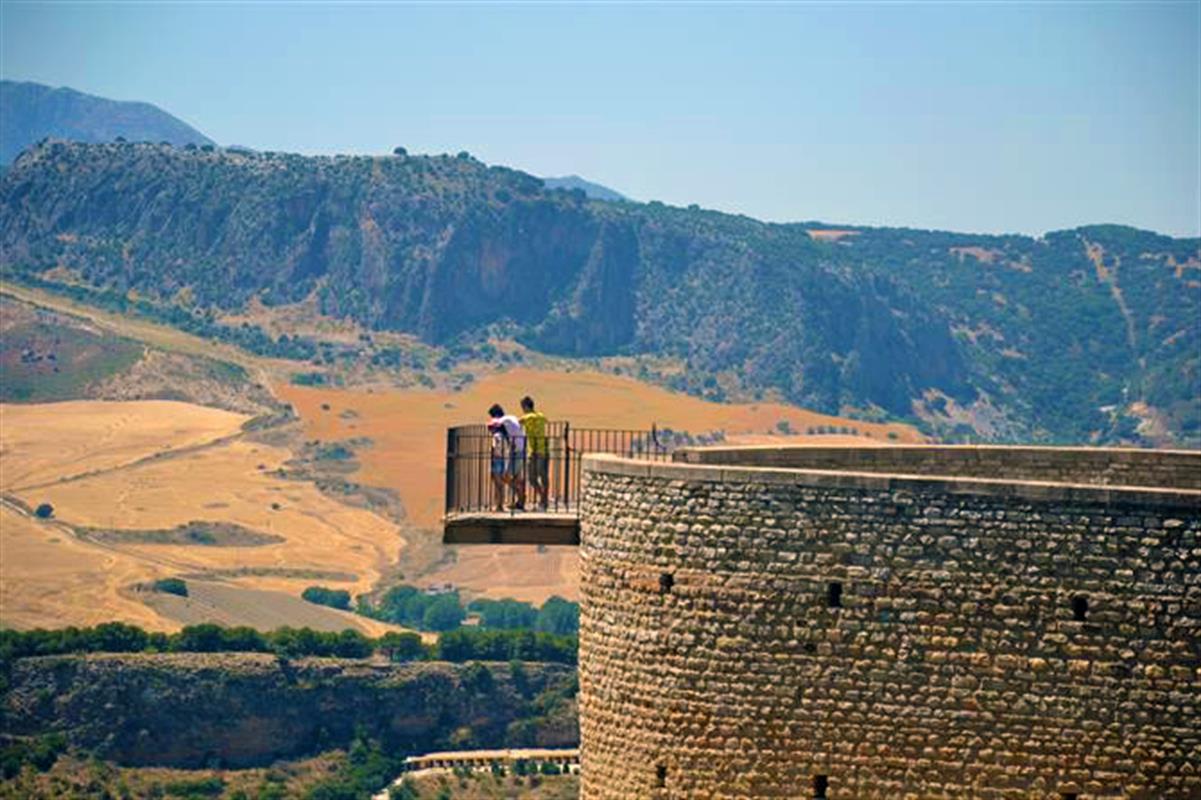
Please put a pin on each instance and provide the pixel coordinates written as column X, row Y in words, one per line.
column 511, row 528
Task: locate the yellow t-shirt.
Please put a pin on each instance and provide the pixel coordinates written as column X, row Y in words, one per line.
column 534, row 425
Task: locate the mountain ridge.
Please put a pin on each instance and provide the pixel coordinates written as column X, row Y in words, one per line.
column 593, row 190
column 997, row 336
column 32, row 111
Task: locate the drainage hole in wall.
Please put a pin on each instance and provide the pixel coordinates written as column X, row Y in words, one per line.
column 666, row 581
column 661, row 776
column 1080, row 608
column 821, row 784
column 834, row 595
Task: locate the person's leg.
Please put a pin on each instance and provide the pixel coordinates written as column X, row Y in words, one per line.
column 519, row 479
column 498, row 483
column 539, row 477
column 545, row 481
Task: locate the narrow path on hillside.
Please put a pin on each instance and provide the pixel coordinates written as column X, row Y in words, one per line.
column 67, row 529
column 1109, row 277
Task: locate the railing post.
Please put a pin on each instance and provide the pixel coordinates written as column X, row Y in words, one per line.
column 566, row 465
column 450, row 470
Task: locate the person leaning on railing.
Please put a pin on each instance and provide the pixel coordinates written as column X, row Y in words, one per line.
column 508, row 456
column 534, row 424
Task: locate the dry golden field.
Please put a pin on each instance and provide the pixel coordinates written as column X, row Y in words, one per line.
column 46, row 442
column 153, row 465
column 522, row 572
column 49, row 579
column 114, row 471
column 407, row 429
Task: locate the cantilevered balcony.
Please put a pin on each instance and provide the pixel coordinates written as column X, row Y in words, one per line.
column 493, row 489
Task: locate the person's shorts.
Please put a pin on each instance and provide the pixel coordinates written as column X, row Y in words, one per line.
column 513, row 465
column 539, row 468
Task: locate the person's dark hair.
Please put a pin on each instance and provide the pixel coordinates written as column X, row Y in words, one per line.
column 496, row 411
column 527, row 403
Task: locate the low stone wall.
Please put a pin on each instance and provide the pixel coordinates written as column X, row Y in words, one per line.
column 754, row 633
column 1179, row 469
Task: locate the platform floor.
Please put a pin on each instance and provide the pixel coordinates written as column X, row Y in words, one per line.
column 504, row 527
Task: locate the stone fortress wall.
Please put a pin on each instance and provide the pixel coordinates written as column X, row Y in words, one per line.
column 863, row 623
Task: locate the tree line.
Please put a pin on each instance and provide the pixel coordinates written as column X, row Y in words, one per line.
column 413, row 608
column 456, row 646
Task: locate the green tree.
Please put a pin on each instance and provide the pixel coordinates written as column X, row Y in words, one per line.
column 444, row 614
column 206, row 638
column 558, row 616
column 477, row 678
column 401, row 646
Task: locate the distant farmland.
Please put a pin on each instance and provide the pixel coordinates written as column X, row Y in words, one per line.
column 145, row 467
column 128, row 481
column 408, row 427
column 407, row 431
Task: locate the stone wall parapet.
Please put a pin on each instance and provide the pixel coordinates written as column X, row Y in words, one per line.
column 1124, row 495
column 768, row 632
column 1179, row 469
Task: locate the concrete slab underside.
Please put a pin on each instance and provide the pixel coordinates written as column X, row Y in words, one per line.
column 509, row 528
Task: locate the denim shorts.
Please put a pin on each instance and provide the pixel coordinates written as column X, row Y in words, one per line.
column 514, row 465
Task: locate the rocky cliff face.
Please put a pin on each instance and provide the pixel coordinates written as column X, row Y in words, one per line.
column 238, row 710
column 1006, row 336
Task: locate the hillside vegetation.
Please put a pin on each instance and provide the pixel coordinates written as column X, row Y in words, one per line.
column 193, row 709
column 49, row 356
column 1089, row 335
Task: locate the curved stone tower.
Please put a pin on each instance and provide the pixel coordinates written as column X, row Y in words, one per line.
column 892, row 622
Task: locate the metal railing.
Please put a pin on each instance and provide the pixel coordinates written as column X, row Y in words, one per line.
column 483, row 475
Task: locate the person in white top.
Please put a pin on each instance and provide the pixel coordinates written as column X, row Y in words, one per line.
column 508, row 456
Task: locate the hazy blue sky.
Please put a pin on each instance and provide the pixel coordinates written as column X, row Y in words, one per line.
column 975, row 117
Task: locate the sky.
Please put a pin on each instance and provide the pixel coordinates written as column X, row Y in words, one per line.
column 978, row 117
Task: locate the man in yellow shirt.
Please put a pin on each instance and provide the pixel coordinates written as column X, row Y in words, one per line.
column 534, row 424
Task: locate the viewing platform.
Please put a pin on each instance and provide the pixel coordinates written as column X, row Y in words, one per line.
column 504, row 527
column 487, row 481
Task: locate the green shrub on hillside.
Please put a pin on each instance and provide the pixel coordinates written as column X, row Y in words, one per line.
column 175, row 586
column 334, row 598
column 40, row 753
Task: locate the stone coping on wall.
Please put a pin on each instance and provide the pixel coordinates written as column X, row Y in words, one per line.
column 1113, row 453
column 1160, row 469
column 1043, row 491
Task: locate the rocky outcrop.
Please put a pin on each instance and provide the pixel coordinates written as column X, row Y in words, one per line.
column 239, row 710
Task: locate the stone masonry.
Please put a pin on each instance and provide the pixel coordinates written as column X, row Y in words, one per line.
column 867, row 632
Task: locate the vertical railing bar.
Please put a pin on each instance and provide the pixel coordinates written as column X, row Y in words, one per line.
column 450, row 472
